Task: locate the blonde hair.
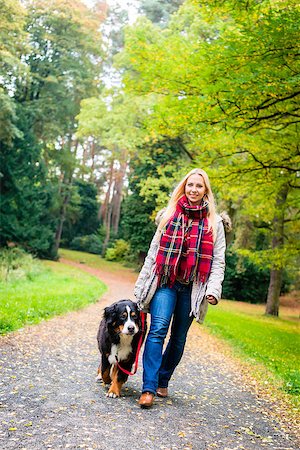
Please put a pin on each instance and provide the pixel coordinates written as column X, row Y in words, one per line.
column 179, row 191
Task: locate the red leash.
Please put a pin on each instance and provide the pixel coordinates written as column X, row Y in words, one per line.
column 143, row 318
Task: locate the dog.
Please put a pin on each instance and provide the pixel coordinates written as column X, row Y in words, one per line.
column 119, row 336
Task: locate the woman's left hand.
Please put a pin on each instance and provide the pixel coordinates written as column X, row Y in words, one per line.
column 211, row 299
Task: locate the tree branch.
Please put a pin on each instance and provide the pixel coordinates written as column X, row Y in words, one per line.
column 277, row 101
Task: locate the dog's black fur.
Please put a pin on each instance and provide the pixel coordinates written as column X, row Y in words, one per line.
column 118, row 335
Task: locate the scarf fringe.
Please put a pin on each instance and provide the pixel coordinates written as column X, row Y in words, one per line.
column 167, row 275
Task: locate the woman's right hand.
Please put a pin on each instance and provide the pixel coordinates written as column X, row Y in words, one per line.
column 211, row 299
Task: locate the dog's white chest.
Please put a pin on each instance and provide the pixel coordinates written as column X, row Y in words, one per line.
column 122, row 350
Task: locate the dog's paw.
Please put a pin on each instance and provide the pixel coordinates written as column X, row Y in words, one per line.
column 98, row 377
column 112, row 394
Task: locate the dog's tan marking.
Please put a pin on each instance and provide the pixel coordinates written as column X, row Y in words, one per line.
column 119, row 329
column 116, row 386
column 106, row 377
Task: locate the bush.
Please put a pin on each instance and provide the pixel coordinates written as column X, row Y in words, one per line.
column 243, row 280
column 119, row 252
column 91, row 243
column 15, row 263
column 247, row 282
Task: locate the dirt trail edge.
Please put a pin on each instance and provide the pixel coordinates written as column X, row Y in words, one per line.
column 50, row 400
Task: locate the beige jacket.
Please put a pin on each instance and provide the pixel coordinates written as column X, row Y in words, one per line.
column 146, row 283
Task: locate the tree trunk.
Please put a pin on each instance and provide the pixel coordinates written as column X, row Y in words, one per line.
column 62, row 218
column 92, row 170
column 117, row 199
column 84, row 158
column 274, row 292
column 102, row 213
column 65, row 192
column 272, row 306
column 107, row 225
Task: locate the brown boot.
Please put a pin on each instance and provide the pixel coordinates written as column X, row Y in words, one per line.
column 162, row 392
column 146, row 400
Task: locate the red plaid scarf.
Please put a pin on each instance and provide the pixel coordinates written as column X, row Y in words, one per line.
column 185, row 251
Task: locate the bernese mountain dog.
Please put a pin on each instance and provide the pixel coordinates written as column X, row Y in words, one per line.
column 119, row 336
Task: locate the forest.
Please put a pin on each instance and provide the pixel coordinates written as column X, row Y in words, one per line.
column 103, row 110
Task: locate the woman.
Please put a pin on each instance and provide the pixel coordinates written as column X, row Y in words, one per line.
column 182, row 273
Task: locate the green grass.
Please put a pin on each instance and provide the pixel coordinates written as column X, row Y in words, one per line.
column 56, row 289
column 271, row 341
column 91, row 260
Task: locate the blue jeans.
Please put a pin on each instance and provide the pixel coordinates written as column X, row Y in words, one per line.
column 167, row 302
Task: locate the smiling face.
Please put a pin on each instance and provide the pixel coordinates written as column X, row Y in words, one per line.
column 195, row 189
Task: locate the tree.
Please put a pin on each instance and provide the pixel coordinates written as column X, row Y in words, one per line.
column 63, row 60
column 277, row 243
column 223, row 77
column 81, row 216
column 12, row 39
column 51, row 58
column 140, row 206
column 116, row 125
column 26, row 194
column 159, row 11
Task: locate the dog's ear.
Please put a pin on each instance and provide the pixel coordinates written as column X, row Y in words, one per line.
column 110, row 314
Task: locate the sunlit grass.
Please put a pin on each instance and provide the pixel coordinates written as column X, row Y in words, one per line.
column 271, row 341
column 56, row 289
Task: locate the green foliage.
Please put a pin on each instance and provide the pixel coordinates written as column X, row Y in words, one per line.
column 12, row 22
column 91, row 243
column 26, row 194
column 50, row 59
column 114, row 119
column 81, row 218
column 229, row 55
column 270, row 341
column 244, row 280
column 8, row 128
column 12, row 46
column 55, row 290
column 63, row 56
column 224, row 78
column 145, row 199
column 137, row 227
column 120, row 251
column 159, row 11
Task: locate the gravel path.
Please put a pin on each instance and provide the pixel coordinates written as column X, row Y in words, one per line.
column 50, row 400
